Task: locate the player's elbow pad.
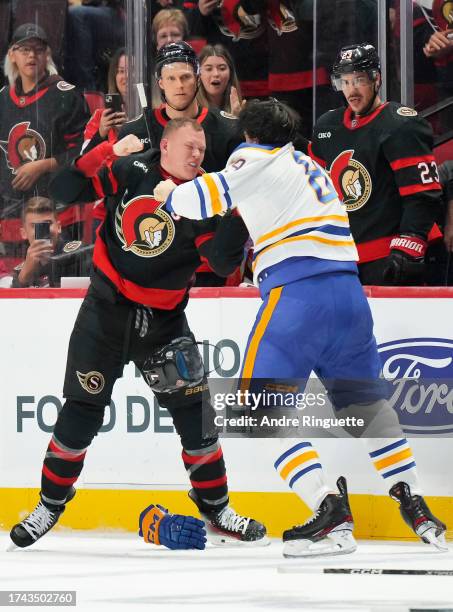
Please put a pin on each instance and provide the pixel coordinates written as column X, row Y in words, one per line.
column 68, row 186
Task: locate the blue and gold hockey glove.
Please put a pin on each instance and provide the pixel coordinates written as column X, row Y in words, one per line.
column 175, row 531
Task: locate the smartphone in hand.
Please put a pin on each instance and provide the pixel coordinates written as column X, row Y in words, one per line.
column 114, row 101
column 42, row 230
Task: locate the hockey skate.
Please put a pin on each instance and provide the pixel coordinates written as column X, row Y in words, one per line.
column 226, row 527
column 38, row 523
column 327, row 532
column 418, row 516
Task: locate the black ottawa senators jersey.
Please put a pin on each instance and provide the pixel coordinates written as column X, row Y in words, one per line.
column 147, row 254
column 383, row 168
column 241, row 28
column 46, row 122
column 220, row 130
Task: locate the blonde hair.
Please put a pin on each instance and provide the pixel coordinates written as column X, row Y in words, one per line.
column 167, row 16
column 202, row 95
column 12, row 73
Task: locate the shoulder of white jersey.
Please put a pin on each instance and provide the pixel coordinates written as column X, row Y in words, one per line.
column 246, row 153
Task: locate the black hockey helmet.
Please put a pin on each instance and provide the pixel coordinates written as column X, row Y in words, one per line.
column 355, row 58
column 176, row 52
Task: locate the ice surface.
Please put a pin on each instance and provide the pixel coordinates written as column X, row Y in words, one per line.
column 118, row 571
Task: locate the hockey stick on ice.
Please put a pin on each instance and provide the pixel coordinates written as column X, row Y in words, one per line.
column 301, row 569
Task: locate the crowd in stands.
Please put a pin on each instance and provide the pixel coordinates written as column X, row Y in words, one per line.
column 65, row 85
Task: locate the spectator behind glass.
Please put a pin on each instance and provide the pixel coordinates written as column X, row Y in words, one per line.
column 239, row 25
column 158, row 5
column 439, row 47
column 49, row 258
column 169, row 25
column 42, row 119
column 94, row 30
column 105, row 123
column 219, row 84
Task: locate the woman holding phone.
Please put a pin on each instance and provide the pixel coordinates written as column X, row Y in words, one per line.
column 105, row 122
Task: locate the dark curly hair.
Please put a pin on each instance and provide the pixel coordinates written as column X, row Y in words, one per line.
column 269, row 121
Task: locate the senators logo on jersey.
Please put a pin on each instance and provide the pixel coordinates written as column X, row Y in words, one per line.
column 23, row 145
column 281, row 18
column 143, row 227
column 93, row 382
column 352, row 180
column 443, row 13
column 234, row 21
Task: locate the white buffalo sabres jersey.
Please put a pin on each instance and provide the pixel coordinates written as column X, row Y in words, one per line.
column 287, row 202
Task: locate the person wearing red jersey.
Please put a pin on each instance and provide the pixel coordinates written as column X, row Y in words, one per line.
column 380, row 159
column 144, row 260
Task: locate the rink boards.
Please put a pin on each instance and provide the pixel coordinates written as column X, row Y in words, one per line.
column 136, row 460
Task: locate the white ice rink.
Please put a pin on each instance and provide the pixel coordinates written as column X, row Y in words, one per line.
column 120, row 572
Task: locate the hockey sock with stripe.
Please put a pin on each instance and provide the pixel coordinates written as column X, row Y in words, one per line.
column 301, row 469
column 206, row 469
column 61, row 468
column 394, row 461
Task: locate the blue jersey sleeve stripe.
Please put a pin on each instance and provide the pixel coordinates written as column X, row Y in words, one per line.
column 168, row 205
column 202, row 199
column 226, row 195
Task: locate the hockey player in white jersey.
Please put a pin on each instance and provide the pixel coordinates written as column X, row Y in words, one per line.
column 314, row 317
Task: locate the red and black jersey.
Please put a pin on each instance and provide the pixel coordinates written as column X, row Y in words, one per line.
column 45, row 122
column 383, row 168
column 220, row 130
column 147, row 254
column 291, row 50
column 240, row 26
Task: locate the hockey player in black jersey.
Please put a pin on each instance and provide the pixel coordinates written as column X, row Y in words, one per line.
column 380, row 159
column 177, row 71
column 144, row 261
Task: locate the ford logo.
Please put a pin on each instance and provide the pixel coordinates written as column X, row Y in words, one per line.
column 420, row 371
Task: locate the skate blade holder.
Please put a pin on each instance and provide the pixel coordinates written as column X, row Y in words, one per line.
column 219, row 540
column 429, row 537
column 338, row 542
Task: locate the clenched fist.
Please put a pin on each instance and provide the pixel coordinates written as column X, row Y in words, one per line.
column 163, row 189
column 127, row 145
